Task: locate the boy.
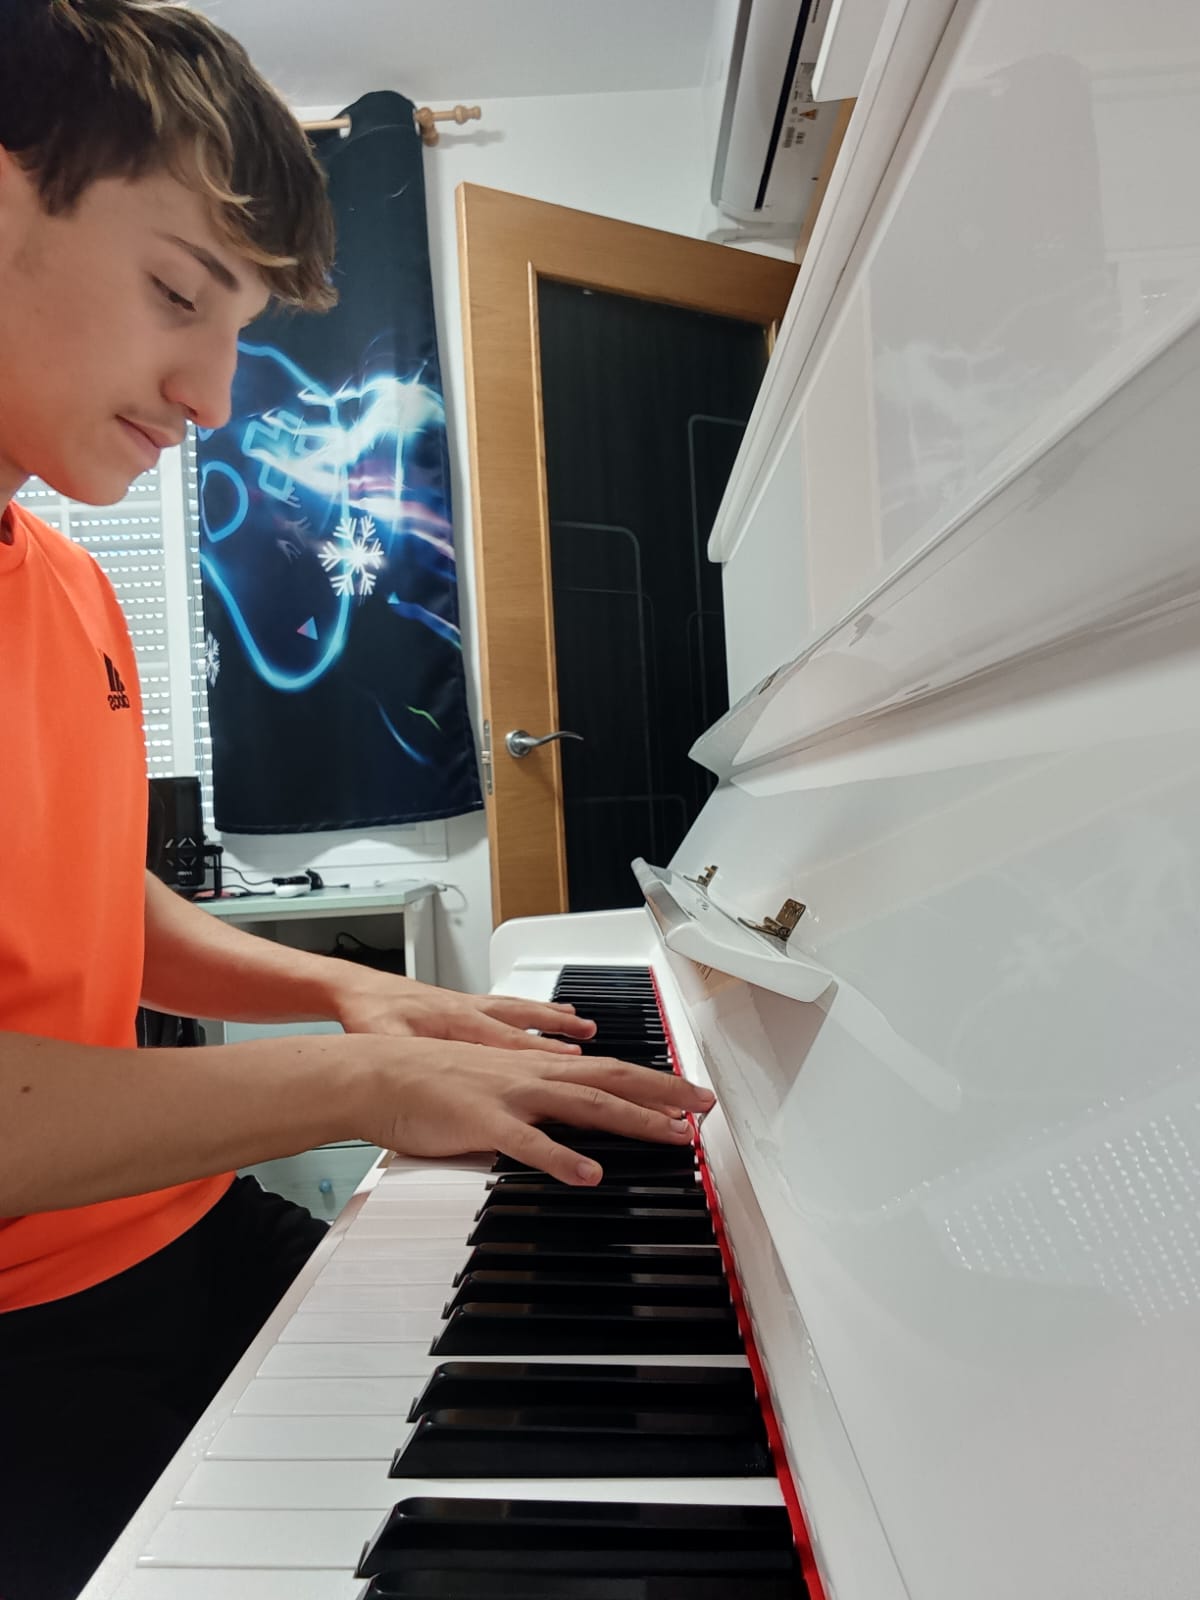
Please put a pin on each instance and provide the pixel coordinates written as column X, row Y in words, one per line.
column 154, row 195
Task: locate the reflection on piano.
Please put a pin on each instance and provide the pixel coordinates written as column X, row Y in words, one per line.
column 955, row 1160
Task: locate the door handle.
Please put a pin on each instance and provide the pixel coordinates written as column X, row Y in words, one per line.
column 518, row 743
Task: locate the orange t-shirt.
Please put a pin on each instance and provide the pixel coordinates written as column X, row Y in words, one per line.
column 72, row 891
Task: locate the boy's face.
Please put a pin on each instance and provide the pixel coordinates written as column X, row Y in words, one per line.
column 118, row 323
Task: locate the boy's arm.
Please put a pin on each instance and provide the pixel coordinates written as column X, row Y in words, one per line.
column 79, row 1123
column 196, row 965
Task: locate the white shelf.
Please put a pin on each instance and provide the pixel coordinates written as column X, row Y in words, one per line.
column 321, row 902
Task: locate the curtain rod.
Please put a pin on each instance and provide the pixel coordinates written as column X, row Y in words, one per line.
column 425, row 119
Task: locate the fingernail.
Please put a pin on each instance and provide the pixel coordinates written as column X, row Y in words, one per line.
column 588, row 1171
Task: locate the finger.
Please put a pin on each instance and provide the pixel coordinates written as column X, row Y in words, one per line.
column 532, row 1148
column 501, row 1035
column 534, row 1014
column 664, row 1091
column 585, row 1106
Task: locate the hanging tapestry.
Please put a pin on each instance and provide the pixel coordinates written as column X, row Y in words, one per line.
column 336, row 688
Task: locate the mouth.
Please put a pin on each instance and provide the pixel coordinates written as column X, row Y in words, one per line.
column 148, row 442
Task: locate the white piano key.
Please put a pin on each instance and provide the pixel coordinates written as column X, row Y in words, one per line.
column 364, row 1327
column 333, row 1438
column 393, row 1267
column 290, row 1486
column 365, row 1486
column 346, row 1360
column 329, row 1297
column 319, row 1538
column 357, row 1247
column 328, row 1397
column 332, row 1540
column 401, row 1225
column 427, row 1199
column 178, row 1583
column 413, row 1170
column 351, row 1360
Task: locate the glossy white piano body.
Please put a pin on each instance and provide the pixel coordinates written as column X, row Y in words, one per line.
column 958, row 1145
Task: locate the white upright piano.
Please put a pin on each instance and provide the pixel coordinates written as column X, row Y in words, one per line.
column 955, row 1166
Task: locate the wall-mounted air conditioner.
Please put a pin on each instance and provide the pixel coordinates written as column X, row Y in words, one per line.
column 773, row 135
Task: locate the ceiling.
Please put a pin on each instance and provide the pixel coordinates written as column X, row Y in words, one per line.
column 326, row 52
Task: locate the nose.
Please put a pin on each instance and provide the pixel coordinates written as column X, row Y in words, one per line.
column 201, row 383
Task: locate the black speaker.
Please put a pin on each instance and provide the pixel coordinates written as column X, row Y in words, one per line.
column 175, row 846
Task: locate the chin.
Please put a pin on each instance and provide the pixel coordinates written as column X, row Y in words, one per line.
column 101, row 485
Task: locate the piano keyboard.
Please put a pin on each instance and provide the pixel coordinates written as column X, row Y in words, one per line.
column 493, row 1385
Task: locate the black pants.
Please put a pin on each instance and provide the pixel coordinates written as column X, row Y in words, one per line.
column 98, row 1390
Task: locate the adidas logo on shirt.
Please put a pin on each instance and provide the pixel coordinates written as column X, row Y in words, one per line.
column 118, row 698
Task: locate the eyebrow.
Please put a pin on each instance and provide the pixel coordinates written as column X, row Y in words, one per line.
column 207, row 260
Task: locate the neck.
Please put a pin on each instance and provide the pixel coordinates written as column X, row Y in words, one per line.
column 11, row 480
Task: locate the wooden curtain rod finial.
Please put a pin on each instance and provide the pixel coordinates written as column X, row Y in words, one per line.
column 427, row 119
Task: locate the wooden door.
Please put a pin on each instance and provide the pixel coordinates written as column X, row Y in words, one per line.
column 507, row 243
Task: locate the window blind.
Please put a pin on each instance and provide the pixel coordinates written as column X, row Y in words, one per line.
column 127, row 541
column 204, row 664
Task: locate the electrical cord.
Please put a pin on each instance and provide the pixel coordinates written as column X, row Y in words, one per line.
column 253, row 883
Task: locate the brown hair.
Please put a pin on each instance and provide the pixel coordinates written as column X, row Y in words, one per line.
column 95, row 89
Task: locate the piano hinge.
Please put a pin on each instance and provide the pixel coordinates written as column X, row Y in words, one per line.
column 485, row 756
column 779, row 926
column 703, row 879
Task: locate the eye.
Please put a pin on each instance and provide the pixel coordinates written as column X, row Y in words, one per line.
column 171, row 297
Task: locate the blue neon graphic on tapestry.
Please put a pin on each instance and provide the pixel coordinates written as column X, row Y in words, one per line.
column 344, row 471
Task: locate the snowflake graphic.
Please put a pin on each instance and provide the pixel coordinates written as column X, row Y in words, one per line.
column 212, row 660
column 354, row 559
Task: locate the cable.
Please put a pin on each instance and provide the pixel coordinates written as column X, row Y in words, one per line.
column 253, row 883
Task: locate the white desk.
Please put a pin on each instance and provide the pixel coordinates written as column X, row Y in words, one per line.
column 412, row 898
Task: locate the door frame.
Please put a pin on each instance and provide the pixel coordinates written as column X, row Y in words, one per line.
column 506, row 243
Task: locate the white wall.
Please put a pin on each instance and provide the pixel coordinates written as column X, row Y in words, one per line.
column 644, row 158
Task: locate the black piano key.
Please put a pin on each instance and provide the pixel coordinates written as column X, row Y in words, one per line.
column 635, row 1010
column 584, row 1442
column 598, row 1538
column 598, row 1139
column 580, row 1226
column 584, row 980
column 484, row 1385
column 519, row 1256
column 574, row 991
column 511, row 1585
column 685, row 1183
column 621, row 1050
column 531, row 1329
column 547, row 1288
column 570, row 991
column 614, row 970
column 548, row 1193
column 637, row 1162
